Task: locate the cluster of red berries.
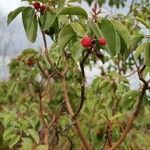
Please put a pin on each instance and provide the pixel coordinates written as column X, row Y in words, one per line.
column 87, row 42
column 39, row 7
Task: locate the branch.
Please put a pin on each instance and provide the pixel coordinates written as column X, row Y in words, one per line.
column 71, row 113
column 82, row 83
column 47, row 55
column 135, row 113
column 131, row 7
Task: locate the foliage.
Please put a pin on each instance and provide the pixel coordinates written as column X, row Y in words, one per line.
column 46, row 104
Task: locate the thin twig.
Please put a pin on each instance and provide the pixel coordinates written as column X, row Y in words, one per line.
column 47, row 55
column 82, row 83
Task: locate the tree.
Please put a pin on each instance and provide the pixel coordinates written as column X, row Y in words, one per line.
column 48, row 105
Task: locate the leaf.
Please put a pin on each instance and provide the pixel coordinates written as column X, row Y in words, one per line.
column 7, row 119
column 128, row 99
column 139, row 50
column 14, row 141
column 146, row 48
column 30, row 23
column 124, row 35
column 134, row 41
column 116, row 117
column 13, row 14
column 146, row 24
column 109, row 33
column 42, row 147
column 65, row 36
column 8, row 131
column 27, row 144
column 30, row 121
column 78, row 29
column 75, row 10
column 34, row 135
column 76, row 51
column 47, row 20
column 106, row 29
column 118, row 44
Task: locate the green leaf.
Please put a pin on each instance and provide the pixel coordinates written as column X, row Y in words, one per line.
column 134, row 41
column 75, row 10
column 34, row 135
column 14, row 141
column 109, row 33
column 146, row 47
column 47, row 20
column 139, row 50
column 42, row 147
column 115, row 117
column 78, row 28
column 26, row 144
column 106, row 29
column 7, row 119
column 65, row 36
column 30, row 23
column 76, row 51
column 8, row 132
column 13, row 14
column 124, row 35
column 133, row 44
column 146, row 24
column 118, row 44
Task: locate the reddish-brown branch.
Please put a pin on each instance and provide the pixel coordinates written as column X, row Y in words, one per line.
column 47, row 55
column 86, row 144
column 82, row 83
column 131, row 118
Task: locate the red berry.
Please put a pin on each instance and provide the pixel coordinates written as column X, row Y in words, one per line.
column 102, row 41
column 86, row 42
column 43, row 8
column 37, row 5
column 30, row 62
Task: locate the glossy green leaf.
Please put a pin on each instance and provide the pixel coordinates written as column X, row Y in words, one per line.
column 65, row 36
column 124, row 35
column 30, row 23
column 139, row 51
column 134, row 41
column 146, row 47
column 75, row 10
column 78, row 28
column 47, row 20
column 13, row 14
column 34, row 135
column 77, row 51
column 106, row 29
column 109, row 33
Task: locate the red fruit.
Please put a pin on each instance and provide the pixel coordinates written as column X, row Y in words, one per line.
column 102, row 41
column 86, row 42
column 37, row 5
column 30, row 62
column 43, row 8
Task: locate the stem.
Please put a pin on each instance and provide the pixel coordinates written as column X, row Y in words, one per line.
column 71, row 113
column 131, row 119
column 82, row 83
column 47, row 55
